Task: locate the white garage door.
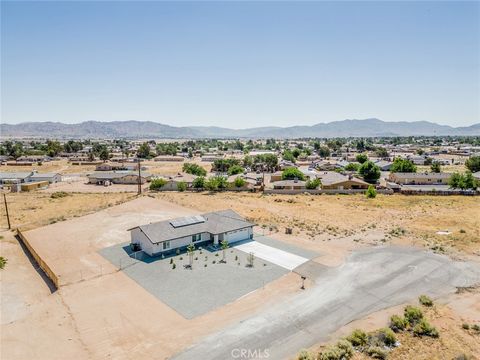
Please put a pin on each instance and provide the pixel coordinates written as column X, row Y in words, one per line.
column 275, row 256
column 237, row 236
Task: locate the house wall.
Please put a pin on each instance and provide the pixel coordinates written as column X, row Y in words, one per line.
column 239, row 235
column 138, row 237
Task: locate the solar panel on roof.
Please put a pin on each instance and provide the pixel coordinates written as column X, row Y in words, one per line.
column 189, row 220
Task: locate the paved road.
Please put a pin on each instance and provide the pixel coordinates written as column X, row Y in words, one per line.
column 370, row 280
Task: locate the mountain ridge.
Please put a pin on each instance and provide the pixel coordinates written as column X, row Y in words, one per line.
column 135, row 129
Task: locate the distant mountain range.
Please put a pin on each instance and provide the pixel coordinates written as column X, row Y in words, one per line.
column 133, row 129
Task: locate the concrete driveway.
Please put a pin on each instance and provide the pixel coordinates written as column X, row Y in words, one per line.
column 370, row 280
column 271, row 254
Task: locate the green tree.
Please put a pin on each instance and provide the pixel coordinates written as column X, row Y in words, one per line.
column 435, row 167
column 194, row 169
column 199, row 182
column 144, row 151
column 352, row 167
column 324, row 151
column 235, row 169
column 473, row 164
column 288, row 156
column 381, row 152
column 292, row 173
column 313, row 184
column 239, row 182
column 181, row 186
column 157, row 184
column 104, row 154
column 361, row 158
column 369, row 171
column 403, row 166
column 371, row 192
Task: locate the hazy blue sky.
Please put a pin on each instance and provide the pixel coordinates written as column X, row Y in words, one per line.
column 240, row 64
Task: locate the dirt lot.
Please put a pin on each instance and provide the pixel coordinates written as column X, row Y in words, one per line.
column 353, row 219
column 101, row 317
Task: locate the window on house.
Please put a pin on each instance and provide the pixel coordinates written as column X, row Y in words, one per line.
column 166, row 245
column 196, row 237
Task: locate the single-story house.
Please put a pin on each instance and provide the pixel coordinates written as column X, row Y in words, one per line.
column 120, row 177
column 168, row 158
column 15, row 177
column 50, row 177
column 30, row 186
column 332, row 180
column 384, row 165
column 165, row 237
column 289, row 185
column 172, row 181
column 115, row 166
column 420, row 178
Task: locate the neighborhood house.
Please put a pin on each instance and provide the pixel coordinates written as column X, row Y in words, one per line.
column 210, row 228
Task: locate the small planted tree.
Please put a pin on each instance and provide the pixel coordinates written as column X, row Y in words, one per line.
column 250, row 259
column 224, row 244
column 190, row 251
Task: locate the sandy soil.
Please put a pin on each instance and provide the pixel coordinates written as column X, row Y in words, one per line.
column 104, row 316
column 339, row 220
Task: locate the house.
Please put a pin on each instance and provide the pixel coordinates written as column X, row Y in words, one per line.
column 384, row 165
column 165, row 237
column 51, row 178
column 289, row 185
column 168, row 158
column 115, row 166
column 332, row 180
column 30, row 186
column 420, row 178
column 15, row 177
column 172, row 181
column 120, row 177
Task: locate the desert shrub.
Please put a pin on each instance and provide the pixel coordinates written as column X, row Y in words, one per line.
column 343, row 350
column 387, row 336
column 413, row 314
column 3, row 262
column 425, row 300
column 305, row 355
column 423, row 328
column 59, row 194
column 398, row 323
column 157, row 184
column 476, row 327
column 358, row 337
column 371, row 192
column 181, row 186
column 174, row 266
column 465, row 326
column 462, row 357
column 376, row 352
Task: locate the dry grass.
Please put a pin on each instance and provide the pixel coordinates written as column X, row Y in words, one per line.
column 396, row 219
column 34, row 209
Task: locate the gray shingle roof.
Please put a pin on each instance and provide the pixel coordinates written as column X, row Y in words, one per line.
column 215, row 223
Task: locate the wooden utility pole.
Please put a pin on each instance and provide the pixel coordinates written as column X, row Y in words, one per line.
column 139, row 178
column 6, row 209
